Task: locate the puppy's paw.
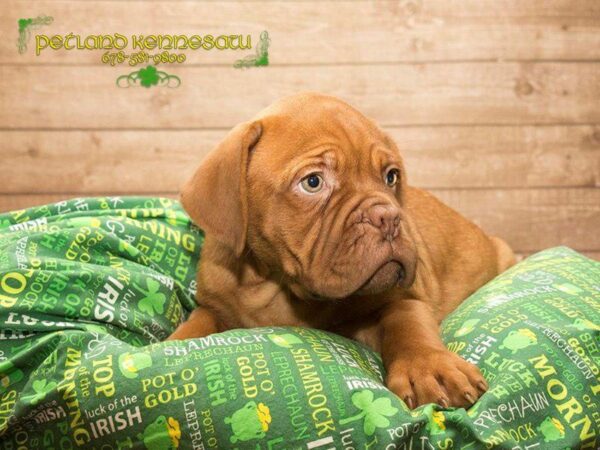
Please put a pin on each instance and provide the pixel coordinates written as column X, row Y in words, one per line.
column 436, row 376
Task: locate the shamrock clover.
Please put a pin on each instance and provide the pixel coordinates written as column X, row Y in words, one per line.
column 153, row 300
column 285, row 340
column 41, row 388
column 24, row 23
column 148, row 76
column 375, row 412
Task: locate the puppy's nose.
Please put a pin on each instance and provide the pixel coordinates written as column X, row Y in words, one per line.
column 386, row 218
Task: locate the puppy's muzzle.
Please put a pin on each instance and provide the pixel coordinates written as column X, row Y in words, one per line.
column 386, row 218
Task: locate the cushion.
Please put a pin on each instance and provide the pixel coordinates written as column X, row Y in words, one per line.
column 90, row 287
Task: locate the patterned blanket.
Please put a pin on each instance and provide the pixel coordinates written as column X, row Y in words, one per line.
column 89, row 288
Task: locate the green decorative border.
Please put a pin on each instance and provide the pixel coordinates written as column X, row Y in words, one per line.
column 261, row 58
column 147, row 78
column 25, row 27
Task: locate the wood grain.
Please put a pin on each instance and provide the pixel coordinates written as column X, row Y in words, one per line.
column 103, row 162
column 533, row 219
column 493, row 104
column 421, row 94
column 529, row 219
column 329, row 32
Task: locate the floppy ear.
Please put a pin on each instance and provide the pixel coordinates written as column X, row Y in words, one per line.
column 215, row 197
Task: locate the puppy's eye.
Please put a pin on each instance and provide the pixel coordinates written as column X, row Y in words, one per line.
column 312, row 183
column 391, row 177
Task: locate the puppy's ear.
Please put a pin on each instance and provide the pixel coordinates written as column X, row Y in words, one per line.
column 216, row 196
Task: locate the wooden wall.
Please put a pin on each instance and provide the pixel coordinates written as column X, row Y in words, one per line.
column 495, row 103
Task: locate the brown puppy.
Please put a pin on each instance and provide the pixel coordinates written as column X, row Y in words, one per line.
column 309, row 222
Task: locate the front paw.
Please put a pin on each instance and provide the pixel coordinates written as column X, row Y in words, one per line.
column 435, row 376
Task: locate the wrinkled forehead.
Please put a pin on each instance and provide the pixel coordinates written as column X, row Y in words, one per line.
column 307, row 126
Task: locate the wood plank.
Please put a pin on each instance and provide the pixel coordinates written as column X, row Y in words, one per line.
column 529, row 219
column 326, row 32
column 533, row 219
column 421, row 94
column 87, row 162
column 501, row 157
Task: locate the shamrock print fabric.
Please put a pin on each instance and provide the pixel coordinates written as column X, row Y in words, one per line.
column 90, row 287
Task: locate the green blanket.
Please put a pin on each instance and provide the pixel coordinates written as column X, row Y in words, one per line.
column 90, row 287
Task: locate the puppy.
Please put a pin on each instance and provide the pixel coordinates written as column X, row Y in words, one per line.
column 309, row 222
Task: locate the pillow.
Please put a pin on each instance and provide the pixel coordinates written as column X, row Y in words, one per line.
column 90, row 287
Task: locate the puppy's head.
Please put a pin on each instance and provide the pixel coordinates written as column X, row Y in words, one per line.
column 315, row 192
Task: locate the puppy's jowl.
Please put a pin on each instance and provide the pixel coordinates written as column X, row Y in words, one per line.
column 309, row 221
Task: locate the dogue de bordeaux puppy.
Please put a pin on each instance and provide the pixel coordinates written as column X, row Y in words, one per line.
column 309, row 222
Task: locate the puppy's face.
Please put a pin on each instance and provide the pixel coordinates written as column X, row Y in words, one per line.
column 322, row 203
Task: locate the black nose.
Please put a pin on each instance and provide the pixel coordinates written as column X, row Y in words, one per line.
column 386, row 218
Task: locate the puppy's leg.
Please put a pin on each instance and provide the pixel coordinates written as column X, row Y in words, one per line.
column 201, row 323
column 420, row 369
